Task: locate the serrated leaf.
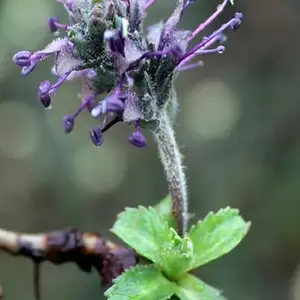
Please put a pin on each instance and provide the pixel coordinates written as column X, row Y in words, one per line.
column 176, row 258
column 144, row 230
column 191, row 288
column 164, row 209
column 141, row 283
column 216, row 235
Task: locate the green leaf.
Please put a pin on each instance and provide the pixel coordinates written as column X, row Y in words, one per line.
column 149, row 234
column 164, row 209
column 216, row 235
column 176, row 258
column 144, row 230
column 141, row 283
column 192, row 288
column 232, row 2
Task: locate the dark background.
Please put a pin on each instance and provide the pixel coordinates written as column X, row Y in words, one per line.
column 239, row 131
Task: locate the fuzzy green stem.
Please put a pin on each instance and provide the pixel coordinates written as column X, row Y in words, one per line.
column 171, row 159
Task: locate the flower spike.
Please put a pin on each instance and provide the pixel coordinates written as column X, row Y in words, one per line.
column 132, row 71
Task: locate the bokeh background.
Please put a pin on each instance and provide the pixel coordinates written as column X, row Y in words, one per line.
column 239, row 131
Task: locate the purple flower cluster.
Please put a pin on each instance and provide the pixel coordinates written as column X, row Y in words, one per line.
column 105, row 46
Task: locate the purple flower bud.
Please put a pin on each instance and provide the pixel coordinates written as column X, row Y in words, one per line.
column 22, row 58
column 137, row 139
column 96, row 136
column 68, row 123
column 52, row 24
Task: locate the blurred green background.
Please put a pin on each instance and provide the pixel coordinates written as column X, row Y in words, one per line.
column 239, row 131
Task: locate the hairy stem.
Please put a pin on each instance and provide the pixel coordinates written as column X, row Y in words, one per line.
column 171, row 159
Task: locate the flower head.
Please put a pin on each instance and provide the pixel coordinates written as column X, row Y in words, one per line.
column 106, row 47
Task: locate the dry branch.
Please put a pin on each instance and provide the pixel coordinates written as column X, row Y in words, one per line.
column 87, row 250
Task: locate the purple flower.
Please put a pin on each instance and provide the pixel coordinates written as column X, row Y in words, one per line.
column 28, row 60
column 113, row 56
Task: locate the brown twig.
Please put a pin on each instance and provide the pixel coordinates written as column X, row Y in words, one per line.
column 87, row 250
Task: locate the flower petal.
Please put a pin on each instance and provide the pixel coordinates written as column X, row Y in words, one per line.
column 132, row 111
column 132, row 53
column 170, row 25
column 137, row 14
column 154, row 34
column 65, row 62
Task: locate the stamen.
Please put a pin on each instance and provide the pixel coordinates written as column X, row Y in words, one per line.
column 149, row 3
column 219, row 38
column 137, row 139
column 108, row 125
column 46, row 90
column 239, row 18
column 112, row 103
column 22, row 58
column 109, row 104
column 187, row 4
column 28, row 69
column 68, row 121
column 234, row 23
column 96, row 136
column 28, row 60
column 44, row 93
column 220, row 49
column 54, row 25
column 60, row 81
column 203, row 25
column 190, row 66
column 182, row 66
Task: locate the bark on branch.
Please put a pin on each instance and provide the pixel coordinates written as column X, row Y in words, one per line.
column 87, row 250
